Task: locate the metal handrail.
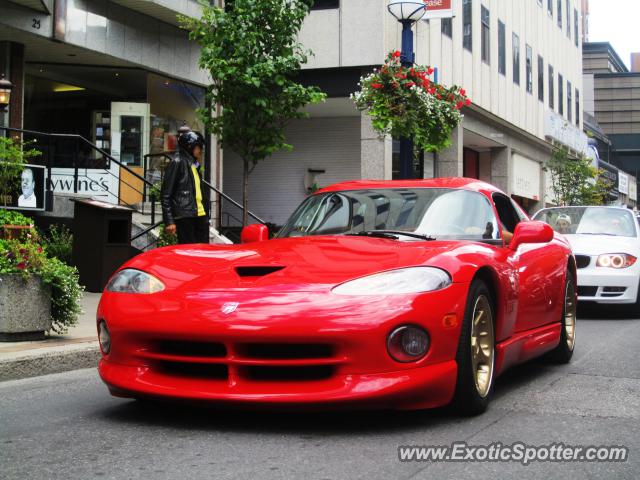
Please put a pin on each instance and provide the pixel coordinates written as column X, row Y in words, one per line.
column 145, row 231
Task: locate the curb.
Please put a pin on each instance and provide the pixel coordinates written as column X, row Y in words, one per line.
column 45, row 361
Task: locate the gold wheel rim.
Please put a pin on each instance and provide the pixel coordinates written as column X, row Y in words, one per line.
column 570, row 311
column 482, row 345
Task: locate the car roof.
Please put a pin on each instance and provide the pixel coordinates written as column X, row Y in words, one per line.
column 448, row 182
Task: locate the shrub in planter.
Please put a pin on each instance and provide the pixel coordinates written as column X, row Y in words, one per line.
column 405, row 102
column 28, row 259
column 58, row 243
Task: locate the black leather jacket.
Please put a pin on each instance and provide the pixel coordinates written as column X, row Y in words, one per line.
column 178, row 195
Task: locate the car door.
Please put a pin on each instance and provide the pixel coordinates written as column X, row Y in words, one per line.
column 539, row 272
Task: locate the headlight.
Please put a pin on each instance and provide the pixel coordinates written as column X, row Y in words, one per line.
column 615, row 260
column 396, row 282
column 134, row 281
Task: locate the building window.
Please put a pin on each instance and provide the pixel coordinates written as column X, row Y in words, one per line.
column 540, row 79
column 529, row 67
column 569, row 102
column 560, row 94
column 577, row 107
column 516, row 59
column 467, row 39
column 568, row 10
column 559, row 14
column 486, row 36
column 575, row 26
column 502, row 49
column 552, row 100
column 447, row 27
column 550, row 7
column 325, row 4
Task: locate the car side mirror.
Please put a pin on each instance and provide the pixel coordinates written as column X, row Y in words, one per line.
column 254, row 233
column 531, row 232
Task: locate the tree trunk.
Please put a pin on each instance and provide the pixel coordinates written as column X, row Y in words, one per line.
column 245, row 192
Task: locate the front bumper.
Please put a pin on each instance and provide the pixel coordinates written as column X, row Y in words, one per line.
column 425, row 387
column 607, row 285
column 335, row 348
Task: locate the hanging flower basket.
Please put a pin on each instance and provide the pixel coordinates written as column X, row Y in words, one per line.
column 405, row 102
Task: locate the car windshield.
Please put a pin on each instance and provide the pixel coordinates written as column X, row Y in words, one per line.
column 438, row 213
column 589, row 221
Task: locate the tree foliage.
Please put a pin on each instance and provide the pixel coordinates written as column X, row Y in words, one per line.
column 575, row 181
column 252, row 54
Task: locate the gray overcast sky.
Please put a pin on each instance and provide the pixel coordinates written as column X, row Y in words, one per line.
column 617, row 22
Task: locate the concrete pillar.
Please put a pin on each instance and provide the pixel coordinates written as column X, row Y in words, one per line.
column 449, row 161
column 12, row 66
column 502, row 169
column 376, row 154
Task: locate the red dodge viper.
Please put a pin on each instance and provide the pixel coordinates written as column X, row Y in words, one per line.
column 402, row 294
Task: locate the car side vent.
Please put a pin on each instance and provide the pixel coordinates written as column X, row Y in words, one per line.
column 257, row 271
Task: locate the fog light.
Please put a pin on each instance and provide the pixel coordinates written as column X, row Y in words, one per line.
column 104, row 337
column 408, row 343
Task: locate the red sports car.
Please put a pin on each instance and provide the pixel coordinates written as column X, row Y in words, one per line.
column 402, row 294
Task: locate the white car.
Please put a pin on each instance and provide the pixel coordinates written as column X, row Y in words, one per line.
column 606, row 244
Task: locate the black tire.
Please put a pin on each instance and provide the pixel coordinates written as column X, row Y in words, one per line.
column 467, row 399
column 564, row 351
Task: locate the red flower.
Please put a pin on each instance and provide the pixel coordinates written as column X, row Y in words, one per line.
column 21, row 265
column 463, row 92
column 23, row 251
column 459, row 105
column 376, row 85
column 439, row 96
column 467, row 102
column 430, row 71
column 396, row 54
column 410, row 84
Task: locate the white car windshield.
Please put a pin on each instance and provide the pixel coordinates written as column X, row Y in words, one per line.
column 438, row 213
column 616, row 222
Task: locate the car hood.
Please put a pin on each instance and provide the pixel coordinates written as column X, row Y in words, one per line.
column 303, row 263
column 599, row 244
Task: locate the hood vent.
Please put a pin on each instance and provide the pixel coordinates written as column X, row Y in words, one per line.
column 257, row 271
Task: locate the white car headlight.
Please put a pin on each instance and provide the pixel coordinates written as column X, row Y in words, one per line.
column 616, row 260
column 397, row 282
column 134, row 281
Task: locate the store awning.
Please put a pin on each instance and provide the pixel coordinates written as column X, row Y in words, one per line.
column 44, row 6
column 165, row 10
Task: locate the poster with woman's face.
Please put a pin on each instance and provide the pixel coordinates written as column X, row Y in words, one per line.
column 26, row 191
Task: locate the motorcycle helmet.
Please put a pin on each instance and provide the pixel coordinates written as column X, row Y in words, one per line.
column 187, row 141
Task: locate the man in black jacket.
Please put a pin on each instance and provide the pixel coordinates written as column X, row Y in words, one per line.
column 184, row 208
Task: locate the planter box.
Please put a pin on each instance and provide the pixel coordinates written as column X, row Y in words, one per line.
column 25, row 308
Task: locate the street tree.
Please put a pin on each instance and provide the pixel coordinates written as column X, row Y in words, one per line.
column 251, row 51
column 575, row 181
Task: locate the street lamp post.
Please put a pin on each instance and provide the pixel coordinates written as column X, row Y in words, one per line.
column 407, row 13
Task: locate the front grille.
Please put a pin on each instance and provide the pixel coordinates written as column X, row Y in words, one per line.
column 587, row 291
column 583, row 261
column 185, row 348
column 193, row 370
column 290, row 374
column 286, row 351
column 242, row 362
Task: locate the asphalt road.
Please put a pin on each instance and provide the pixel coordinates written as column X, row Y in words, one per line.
column 67, row 426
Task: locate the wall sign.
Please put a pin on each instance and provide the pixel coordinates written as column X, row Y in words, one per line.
column 623, row 183
column 438, row 9
column 27, row 190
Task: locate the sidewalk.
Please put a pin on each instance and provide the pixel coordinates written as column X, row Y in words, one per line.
column 58, row 353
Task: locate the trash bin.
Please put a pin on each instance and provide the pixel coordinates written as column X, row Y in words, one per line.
column 101, row 241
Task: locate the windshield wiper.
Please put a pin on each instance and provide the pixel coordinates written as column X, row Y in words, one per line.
column 393, row 234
